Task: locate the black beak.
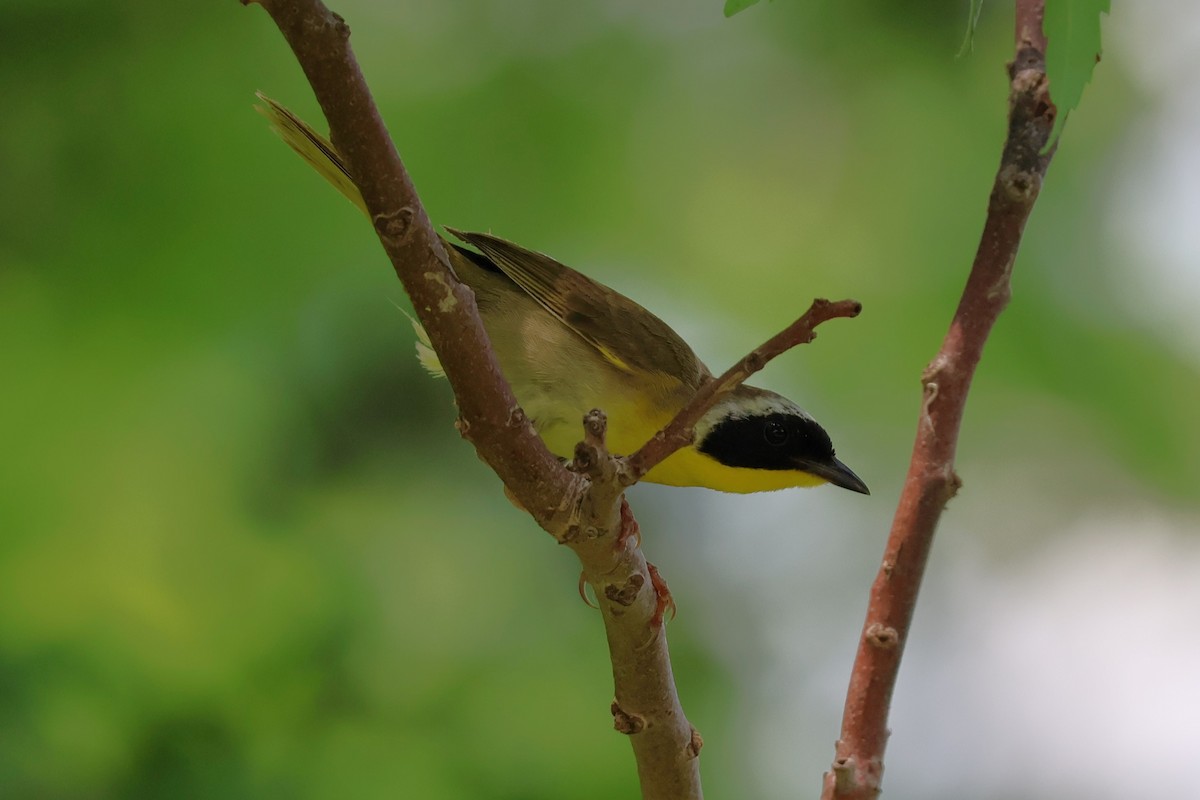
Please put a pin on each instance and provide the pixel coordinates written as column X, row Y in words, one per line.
column 836, row 473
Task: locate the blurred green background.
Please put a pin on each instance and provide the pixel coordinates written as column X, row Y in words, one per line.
column 243, row 552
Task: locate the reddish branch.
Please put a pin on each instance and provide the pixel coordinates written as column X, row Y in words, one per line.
column 931, row 482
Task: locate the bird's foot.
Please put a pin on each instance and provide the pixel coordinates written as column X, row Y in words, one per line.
column 583, row 591
column 664, row 602
column 629, row 528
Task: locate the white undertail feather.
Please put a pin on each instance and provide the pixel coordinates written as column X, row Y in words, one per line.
column 425, row 352
column 321, row 155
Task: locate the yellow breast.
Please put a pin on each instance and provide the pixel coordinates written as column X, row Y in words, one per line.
column 631, row 424
column 689, row 467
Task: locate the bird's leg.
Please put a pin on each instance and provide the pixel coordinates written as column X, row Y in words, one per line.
column 629, row 527
column 664, row 602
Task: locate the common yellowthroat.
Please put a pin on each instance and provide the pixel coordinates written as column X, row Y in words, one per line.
column 568, row 344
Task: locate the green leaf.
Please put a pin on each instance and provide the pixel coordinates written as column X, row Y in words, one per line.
column 1072, row 30
column 734, row 6
column 972, row 23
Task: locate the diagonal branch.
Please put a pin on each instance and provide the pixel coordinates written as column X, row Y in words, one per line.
column 858, row 764
column 490, row 417
column 587, row 516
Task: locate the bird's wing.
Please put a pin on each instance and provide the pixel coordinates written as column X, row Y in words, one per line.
column 627, row 335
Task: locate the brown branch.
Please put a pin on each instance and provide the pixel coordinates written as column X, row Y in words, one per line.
column 490, row 417
column 587, row 515
column 858, row 763
column 681, row 430
column 665, row 744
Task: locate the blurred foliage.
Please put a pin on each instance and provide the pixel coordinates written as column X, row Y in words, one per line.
column 244, row 552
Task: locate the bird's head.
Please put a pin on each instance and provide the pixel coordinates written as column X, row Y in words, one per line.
column 774, row 439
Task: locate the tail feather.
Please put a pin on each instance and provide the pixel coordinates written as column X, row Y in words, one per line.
column 425, row 352
column 320, row 154
column 314, row 148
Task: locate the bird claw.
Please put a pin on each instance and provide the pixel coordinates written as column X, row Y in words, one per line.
column 583, row 591
column 629, row 528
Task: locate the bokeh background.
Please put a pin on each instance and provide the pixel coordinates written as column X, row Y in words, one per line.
column 244, row 554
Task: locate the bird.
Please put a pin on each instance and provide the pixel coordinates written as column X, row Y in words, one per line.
column 568, row 344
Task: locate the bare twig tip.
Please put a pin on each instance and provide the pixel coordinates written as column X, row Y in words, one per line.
column 595, row 425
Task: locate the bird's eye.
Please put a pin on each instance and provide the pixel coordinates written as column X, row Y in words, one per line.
column 775, row 432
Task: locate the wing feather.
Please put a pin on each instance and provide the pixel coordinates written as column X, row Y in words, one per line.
column 626, row 334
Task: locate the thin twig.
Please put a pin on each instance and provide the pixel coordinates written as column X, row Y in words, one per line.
column 681, row 430
column 858, row 764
